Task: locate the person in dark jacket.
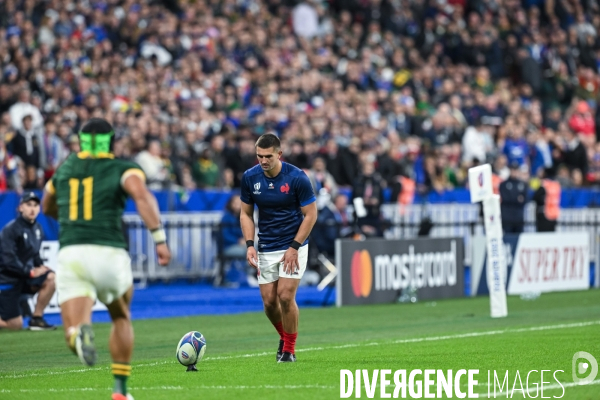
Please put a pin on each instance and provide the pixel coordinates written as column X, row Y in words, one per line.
column 574, row 153
column 21, row 267
column 547, row 201
column 234, row 245
column 513, row 193
column 333, row 222
column 27, row 146
column 368, row 186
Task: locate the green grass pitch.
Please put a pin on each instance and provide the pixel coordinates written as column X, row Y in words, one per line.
column 240, row 358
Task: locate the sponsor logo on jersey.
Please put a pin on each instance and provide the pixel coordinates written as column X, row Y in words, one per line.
column 271, row 185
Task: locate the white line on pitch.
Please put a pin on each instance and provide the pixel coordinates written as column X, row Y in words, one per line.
column 155, row 388
column 344, row 346
column 246, row 387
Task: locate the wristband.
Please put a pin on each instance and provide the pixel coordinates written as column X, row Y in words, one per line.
column 249, row 243
column 295, row 245
column 158, row 235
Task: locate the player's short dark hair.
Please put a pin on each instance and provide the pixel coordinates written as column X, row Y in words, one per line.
column 97, row 125
column 268, row 140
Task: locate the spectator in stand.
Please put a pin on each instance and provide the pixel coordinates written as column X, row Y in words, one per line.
column 204, row 170
column 27, row 145
column 332, row 160
column 574, row 154
column 240, row 157
column 22, row 108
column 73, row 144
column 234, row 245
column 476, row 143
column 54, row 149
column 321, row 179
column 513, row 194
column 583, row 124
column 516, row 147
column 368, row 187
column 333, row 222
column 9, row 177
column 577, row 177
column 345, row 78
column 540, row 151
column 563, row 177
column 157, row 174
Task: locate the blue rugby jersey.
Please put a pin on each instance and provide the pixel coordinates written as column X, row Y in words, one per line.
column 279, row 200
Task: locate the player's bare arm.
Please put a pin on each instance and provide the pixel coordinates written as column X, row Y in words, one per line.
column 247, row 224
column 49, row 207
column 290, row 258
column 148, row 209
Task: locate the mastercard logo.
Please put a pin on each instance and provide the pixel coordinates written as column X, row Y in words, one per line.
column 361, row 273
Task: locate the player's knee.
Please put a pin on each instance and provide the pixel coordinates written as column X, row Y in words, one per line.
column 120, row 315
column 15, row 324
column 50, row 280
column 118, row 310
column 286, row 299
column 270, row 304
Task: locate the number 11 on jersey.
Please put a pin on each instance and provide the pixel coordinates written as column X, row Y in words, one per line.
column 88, row 184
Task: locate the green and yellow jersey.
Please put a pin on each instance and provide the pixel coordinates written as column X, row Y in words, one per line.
column 90, row 199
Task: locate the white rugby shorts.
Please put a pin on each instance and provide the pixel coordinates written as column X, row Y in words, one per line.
column 270, row 266
column 94, row 271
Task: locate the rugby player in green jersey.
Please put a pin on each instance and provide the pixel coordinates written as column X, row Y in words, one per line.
column 87, row 195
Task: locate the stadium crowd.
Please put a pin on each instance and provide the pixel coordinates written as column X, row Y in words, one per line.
column 361, row 92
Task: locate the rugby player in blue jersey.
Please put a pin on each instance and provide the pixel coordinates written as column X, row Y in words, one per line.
column 287, row 212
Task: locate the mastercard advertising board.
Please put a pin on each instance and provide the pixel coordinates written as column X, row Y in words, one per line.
column 377, row 270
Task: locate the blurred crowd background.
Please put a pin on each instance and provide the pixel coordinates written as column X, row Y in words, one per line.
column 362, row 93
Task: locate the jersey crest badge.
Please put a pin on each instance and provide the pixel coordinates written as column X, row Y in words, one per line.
column 285, row 188
column 257, row 188
column 38, row 234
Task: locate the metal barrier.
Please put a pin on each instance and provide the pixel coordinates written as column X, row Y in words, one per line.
column 464, row 220
column 449, row 220
column 193, row 237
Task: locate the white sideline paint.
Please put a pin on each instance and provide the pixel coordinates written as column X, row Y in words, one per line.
column 344, row 346
column 154, row 388
column 242, row 387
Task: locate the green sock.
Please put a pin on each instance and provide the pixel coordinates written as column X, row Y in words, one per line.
column 121, row 372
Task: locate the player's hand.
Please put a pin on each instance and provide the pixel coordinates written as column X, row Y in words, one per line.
column 290, row 261
column 252, row 257
column 163, row 253
column 39, row 271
